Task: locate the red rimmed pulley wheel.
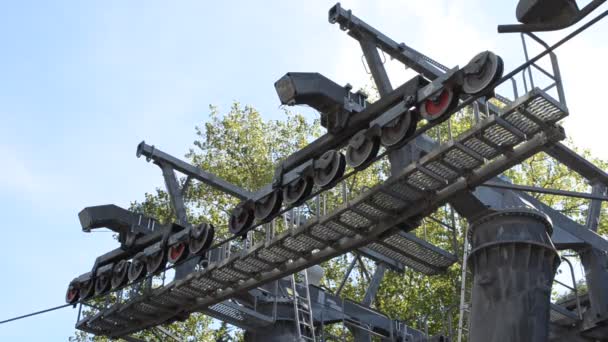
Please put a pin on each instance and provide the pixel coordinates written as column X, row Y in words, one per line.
column 71, row 295
column 177, row 252
column 438, row 105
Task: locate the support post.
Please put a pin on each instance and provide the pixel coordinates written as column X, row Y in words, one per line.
column 595, row 262
column 513, row 262
column 177, row 202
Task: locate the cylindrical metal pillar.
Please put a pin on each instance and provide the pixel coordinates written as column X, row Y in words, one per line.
column 513, row 262
column 278, row 332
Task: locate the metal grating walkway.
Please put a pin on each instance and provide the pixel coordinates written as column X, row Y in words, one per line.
column 377, row 218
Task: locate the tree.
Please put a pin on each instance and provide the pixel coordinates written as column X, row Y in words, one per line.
column 243, row 148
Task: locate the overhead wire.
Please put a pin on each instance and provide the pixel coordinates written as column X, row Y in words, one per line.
column 36, row 313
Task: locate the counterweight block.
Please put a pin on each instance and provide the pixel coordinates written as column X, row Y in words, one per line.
column 513, row 262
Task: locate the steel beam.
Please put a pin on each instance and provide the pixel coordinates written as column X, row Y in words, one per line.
column 374, row 285
column 567, row 234
column 576, row 162
column 557, row 192
column 208, row 178
column 595, row 262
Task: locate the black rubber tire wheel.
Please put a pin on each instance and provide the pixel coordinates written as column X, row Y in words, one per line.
column 156, row 262
column 486, row 69
column 398, row 130
column 137, row 268
column 241, row 219
column 120, row 274
column 297, row 191
column 201, row 238
column 361, row 150
column 329, row 168
column 86, row 289
column 103, row 282
column 266, row 208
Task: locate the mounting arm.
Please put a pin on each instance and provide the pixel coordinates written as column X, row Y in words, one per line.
column 158, row 156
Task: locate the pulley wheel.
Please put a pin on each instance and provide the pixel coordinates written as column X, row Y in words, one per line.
column 267, row 207
column 362, row 149
column 103, row 283
column 482, row 72
column 241, row 218
column 86, row 289
column 137, row 269
column 329, row 168
column 156, row 262
column 71, row 295
column 297, row 191
column 178, row 252
column 120, row 274
column 399, row 129
column 201, row 237
column 436, row 106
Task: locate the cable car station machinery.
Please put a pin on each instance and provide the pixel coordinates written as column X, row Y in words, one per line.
column 228, row 284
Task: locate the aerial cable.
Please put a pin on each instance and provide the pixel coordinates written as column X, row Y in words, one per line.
column 35, row 313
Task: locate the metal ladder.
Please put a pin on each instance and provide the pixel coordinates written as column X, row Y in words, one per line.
column 465, row 294
column 302, row 308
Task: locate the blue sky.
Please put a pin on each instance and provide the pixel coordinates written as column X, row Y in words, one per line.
column 82, row 82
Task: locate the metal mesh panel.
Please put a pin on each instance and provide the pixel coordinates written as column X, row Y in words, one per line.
column 338, row 227
column 521, row 122
column 322, row 232
column 250, row 264
column 232, row 313
column 355, row 220
column 386, row 202
column 421, row 250
column 405, row 191
column 500, row 136
column 456, row 157
column 403, row 258
column 370, row 211
column 480, row 147
column 545, row 109
column 302, row 243
column 227, row 274
column 275, row 254
column 423, row 182
column 167, row 299
column 204, row 284
column 440, row 169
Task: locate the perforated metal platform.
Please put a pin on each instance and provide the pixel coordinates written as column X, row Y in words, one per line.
column 377, row 218
column 562, row 316
column 238, row 315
